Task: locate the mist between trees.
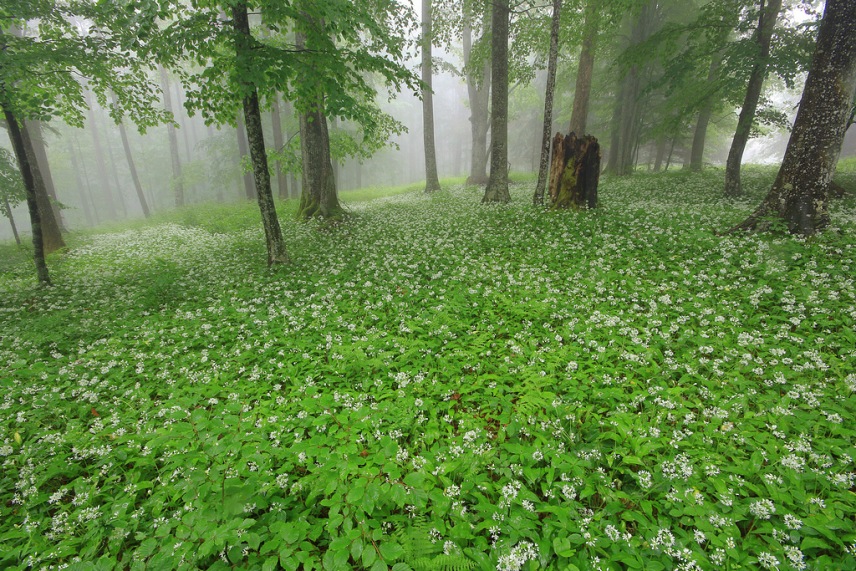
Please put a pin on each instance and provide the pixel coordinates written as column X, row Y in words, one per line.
column 152, row 105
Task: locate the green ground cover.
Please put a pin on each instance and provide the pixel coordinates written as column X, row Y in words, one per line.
column 436, row 384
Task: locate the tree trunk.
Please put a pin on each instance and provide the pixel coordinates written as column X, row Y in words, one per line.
column 52, row 239
column 27, row 174
column 574, row 172
column 478, row 90
column 100, row 162
column 243, row 151
column 497, row 185
column 432, row 181
column 579, row 114
column 132, row 166
column 7, row 210
column 276, row 252
column 276, row 122
column 763, row 36
column 82, row 191
column 547, row 128
column 34, row 129
column 704, row 115
column 177, row 182
column 114, row 170
column 800, row 194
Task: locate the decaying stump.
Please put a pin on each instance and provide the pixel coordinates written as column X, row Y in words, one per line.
column 574, row 171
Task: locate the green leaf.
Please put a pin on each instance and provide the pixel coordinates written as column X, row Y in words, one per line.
column 390, row 551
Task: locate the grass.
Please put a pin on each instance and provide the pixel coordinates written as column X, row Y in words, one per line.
column 436, row 384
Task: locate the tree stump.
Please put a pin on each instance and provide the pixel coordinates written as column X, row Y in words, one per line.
column 574, row 171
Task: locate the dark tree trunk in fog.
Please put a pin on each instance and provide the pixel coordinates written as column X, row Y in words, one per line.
column 800, row 193
column 52, row 239
column 582, row 91
column 497, row 185
column 478, row 90
column 34, row 129
column 547, row 128
column 626, row 120
column 696, row 162
column 7, row 210
column 660, row 153
column 82, row 191
column 276, row 122
column 114, row 170
column 19, row 146
column 318, row 196
column 100, row 162
column 132, row 166
column 183, row 121
column 432, row 181
column 177, row 179
column 276, row 252
column 574, row 172
column 763, row 36
column 243, row 151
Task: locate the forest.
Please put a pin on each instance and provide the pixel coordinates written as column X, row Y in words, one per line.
column 435, row 285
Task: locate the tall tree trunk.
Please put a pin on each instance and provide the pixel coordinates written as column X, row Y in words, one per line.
column 7, row 210
column 18, row 145
column 497, row 185
column 276, row 122
column 243, row 151
column 763, row 36
column 34, row 129
column 114, row 170
column 432, row 181
column 100, row 162
column 52, row 239
column 800, row 193
column 276, row 251
column 81, row 190
column 696, row 162
column 177, row 182
column 478, row 91
column 132, row 166
column 547, row 129
column 579, row 114
column 318, row 194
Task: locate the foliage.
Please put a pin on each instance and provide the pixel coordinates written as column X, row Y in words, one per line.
column 619, row 389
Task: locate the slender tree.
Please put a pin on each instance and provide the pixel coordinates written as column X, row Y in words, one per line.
column 432, row 182
column 477, row 72
column 132, row 167
column 696, row 159
column 800, row 194
column 177, row 182
column 276, row 252
column 547, row 129
column 497, row 185
column 763, row 36
column 585, row 70
column 243, row 151
column 276, row 122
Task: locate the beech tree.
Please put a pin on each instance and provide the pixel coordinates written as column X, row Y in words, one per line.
column 497, row 185
column 546, row 130
column 42, row 75
column 432, row 181
column 800, row 194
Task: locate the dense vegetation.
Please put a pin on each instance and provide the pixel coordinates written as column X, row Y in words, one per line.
column 436, row 384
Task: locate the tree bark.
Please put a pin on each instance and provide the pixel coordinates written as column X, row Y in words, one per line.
column 276, row 122
column 543, row 165
column 704, row 115
column 574, row 172
column 800, row 194
column 478, row 91
column 763, row 36
column 27, row 174
column 497, row 185
column 34, row 129
column 582, row 91
column 132, row 166
column 52, row 239
column 177, row 180
column 276, row 251
column 432, row 181
column 243, row 151
column 319, row 196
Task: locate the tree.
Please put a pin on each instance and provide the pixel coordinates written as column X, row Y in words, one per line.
column 800, row 194
column 11, row 189
column 763, row 36
column 477, row 71
column 432, row 182
column 497, row 185
column 547, row 129
column 278, row 143
column 132, row 167
column 177, row 181
column 582, row 92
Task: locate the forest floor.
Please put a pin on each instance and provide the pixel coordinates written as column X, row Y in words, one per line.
column 437, row 384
